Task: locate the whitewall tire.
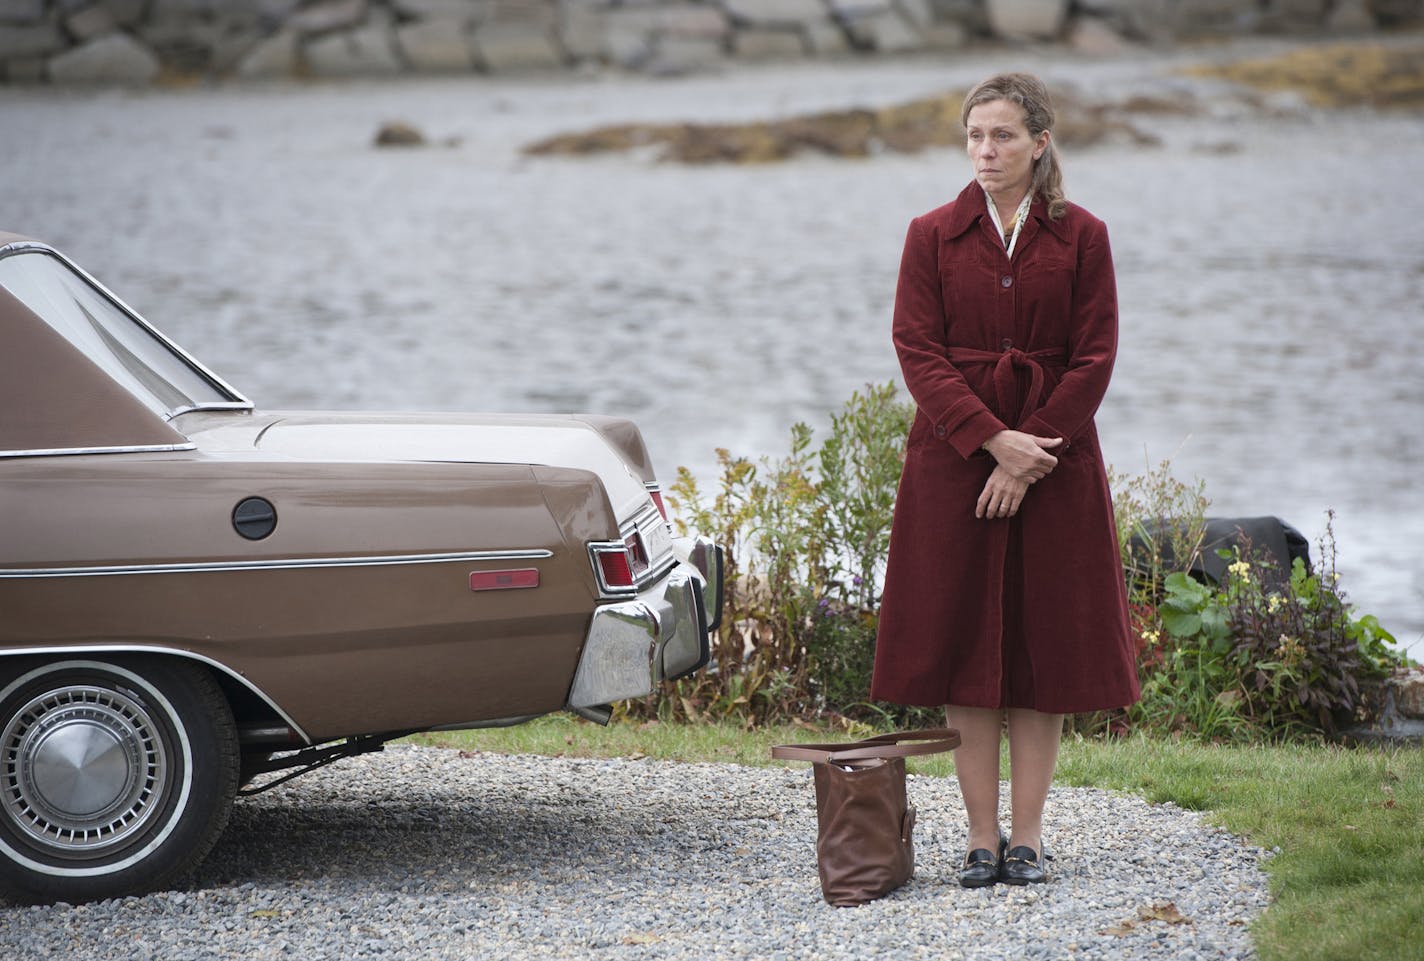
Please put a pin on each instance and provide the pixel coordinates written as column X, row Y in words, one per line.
column 116, row 775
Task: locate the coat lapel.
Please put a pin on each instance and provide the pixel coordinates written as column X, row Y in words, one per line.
column 971, row 207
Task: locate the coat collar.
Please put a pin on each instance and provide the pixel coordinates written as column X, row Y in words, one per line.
column 971, row 206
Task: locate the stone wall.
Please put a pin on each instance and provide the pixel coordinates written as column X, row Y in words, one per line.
column 143, row 41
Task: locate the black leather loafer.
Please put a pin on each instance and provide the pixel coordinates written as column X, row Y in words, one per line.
column 1022, row 865
column 982, row 866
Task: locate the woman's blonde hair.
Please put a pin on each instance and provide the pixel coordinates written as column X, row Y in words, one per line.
column 1028, row 92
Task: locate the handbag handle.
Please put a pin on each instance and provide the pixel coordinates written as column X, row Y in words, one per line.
column 932, row 741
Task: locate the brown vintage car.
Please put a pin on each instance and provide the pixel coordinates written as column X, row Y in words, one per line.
column 195, row 593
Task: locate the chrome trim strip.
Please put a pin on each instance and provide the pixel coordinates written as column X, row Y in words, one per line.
column 272, row 565
column 232, row 405
column 150, row 649
column 133, row 449
column 648, row 519
column 239, row 401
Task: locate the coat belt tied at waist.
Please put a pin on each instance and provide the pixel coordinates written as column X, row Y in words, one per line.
column 1005, row 381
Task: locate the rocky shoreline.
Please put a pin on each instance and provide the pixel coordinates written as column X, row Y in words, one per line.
column 857, row 132
column 143, row 42
column 1324, row 74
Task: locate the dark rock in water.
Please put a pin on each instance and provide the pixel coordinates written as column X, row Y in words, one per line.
column 397, row 133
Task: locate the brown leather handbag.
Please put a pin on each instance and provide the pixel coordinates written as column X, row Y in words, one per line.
column 865, row 823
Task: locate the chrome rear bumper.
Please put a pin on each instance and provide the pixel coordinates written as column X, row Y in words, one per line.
column 633, row 646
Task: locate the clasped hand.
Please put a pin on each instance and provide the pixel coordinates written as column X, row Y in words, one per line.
column 1023, row 459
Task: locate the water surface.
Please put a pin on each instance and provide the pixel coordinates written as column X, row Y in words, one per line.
column 1270, row 268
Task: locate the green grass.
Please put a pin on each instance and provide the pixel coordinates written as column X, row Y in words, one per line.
column 1348, row 882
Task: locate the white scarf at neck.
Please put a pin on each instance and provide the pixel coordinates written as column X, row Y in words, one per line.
column 1019, row 219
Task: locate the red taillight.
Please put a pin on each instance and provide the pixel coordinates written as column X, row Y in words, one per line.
column 616, row 567
column 657, row 496
column 620, row 564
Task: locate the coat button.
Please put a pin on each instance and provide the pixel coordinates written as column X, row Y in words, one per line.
column 939, row 430
column 1005, row 344
column 1006, row 281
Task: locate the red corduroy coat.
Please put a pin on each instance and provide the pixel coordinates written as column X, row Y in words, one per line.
column 1028, row 611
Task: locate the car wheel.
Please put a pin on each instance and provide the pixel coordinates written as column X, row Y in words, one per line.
column 116, row 776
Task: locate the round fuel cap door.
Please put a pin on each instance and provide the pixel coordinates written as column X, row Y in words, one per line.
column 254, row 518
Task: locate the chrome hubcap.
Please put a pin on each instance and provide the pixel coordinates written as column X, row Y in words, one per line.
column 82, row 768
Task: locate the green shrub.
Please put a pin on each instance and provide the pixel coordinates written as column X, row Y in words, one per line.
column 806, row 538
column 807, row 535
column 1255, row 658
column 1287, row 661
column 1249, row 659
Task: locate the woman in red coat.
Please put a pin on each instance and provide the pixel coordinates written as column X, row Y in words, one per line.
column 1004, row 593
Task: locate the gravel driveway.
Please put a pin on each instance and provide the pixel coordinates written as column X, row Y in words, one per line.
column 425, row 853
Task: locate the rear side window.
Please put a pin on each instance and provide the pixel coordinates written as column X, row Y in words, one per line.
column 125, row 348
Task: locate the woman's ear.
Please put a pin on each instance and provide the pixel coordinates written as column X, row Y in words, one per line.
column 1042, row 144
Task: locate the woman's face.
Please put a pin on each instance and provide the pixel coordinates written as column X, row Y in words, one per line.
column 1002, row 150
